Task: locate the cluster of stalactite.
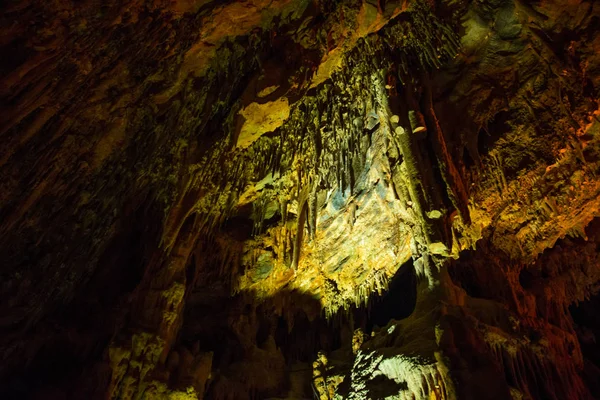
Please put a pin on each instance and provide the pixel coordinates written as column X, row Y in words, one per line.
column 323, row 145
column 206, row 214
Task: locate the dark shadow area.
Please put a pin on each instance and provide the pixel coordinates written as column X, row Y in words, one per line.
column 467, row 160
column 256, row 343
column 586, row 316
column 480, row 272
column 63, row 359
column 382, row 387
column 397, row 303
column 497, row 127
column 239, row 227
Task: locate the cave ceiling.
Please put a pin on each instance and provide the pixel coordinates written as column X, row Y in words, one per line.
column 346, row 199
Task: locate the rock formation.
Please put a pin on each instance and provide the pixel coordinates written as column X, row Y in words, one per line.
column 300, row 199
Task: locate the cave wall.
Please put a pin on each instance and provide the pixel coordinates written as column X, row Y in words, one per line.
column 206, row 198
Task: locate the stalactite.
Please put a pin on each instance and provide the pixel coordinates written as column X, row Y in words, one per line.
column 415, row 181
column 452, row 179
column 302, row 216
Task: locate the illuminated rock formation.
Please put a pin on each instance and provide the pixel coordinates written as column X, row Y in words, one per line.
column 292, row 199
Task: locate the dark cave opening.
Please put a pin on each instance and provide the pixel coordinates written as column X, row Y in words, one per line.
column 526, row 279
column 397, row 303
column 467, row 159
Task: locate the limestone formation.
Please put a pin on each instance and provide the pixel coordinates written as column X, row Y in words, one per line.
column 300, row 199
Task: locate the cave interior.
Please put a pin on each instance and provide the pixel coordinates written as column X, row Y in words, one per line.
column 300, row 199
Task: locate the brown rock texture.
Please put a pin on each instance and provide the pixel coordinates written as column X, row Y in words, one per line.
column 298, row 199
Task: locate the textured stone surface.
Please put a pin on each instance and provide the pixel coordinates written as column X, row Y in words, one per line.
column 203, row 199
